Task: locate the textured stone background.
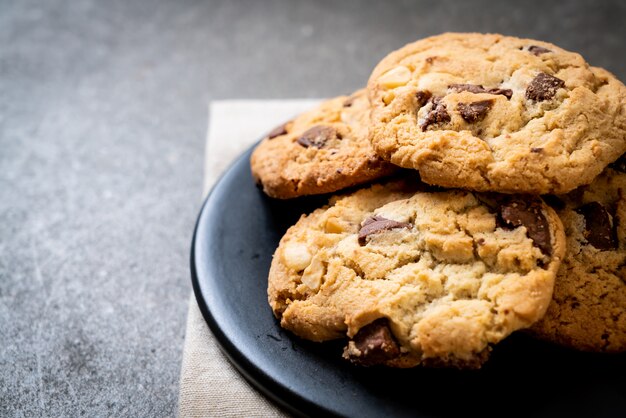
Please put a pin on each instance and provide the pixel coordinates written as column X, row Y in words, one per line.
column 102, row 125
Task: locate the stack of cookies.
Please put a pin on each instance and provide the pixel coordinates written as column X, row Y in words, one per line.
column 499, row 205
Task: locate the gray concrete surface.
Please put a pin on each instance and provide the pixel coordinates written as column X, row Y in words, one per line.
column 102, row 125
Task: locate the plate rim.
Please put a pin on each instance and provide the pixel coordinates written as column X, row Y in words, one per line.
column 279, row 394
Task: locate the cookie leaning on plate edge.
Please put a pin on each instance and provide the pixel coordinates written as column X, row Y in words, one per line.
column 320, row 151
column 496, row 113
column 414, row 276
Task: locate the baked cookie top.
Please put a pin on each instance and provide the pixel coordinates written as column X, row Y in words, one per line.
column 496, row 113
column 417, row 277
column 321, row 151
column 588, row 311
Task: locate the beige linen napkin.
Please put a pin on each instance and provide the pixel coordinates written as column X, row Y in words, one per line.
column 209, row 385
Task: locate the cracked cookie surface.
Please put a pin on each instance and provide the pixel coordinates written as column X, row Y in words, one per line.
column 416, row 276
column 588, row 311
column 320, row 151
column 496, row 113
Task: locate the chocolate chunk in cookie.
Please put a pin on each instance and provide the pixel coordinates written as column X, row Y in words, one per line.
column 472, row 88
column 508, row 93
column 376, row 344
column 476, row 111
column 599, row 230
column 377, row 224
column 518, row 211
column 543, row 87
column 278, row 131
column 538, row 50
column 422, row 97
column 476, row 89
column 317, row 136
column 437, row 114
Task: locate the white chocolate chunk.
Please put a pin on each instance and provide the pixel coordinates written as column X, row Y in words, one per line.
column 312, row 276
column 395, row 77
column 296, row 256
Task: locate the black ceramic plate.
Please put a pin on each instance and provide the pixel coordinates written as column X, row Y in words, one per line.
column 237, row 232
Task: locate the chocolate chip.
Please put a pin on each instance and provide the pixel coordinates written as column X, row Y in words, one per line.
column 472, row 88
column 536, row 149
column 620, row 164
column 376, row 344
column 543, row 87
column 519, row 211
column 476, row 89
column 278, row 131
column 317, row 136
column 437, row 114
column 598, row 227
column 538, row 50
column 476, row 111
column 422, row 97
column 508, row 93
column 377, row 224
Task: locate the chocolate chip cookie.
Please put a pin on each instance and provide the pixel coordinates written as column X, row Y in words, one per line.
column 588, row 311
column 321, row 151
column 412, row 275
column 496, row 113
